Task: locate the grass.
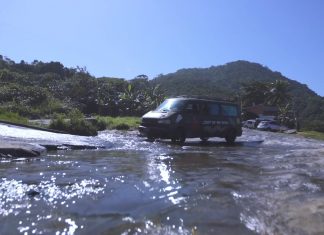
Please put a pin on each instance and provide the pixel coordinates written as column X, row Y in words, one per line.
column 312, row 134
column 74, row 123
column 120, row 123
column 12, row 117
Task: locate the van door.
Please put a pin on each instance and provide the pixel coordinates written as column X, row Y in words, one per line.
column 210, row 118
column 191, row 119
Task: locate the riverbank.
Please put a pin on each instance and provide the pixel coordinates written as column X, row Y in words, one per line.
column 50, row 139
column 24, row 141
column 312, row 134
column 120, row 123
column 101, row 122
column 34, row 126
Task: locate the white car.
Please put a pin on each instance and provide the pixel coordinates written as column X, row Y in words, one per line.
column 271, row 126
column 249, row 124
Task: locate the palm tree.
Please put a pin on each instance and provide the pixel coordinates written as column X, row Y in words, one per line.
column 254, row 93
column 278, row 96
column 278, row 93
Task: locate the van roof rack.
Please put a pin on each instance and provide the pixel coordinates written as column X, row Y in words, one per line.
column 204, row 98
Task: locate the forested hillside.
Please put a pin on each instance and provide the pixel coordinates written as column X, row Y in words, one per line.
column 227, row 81
column 40, row 89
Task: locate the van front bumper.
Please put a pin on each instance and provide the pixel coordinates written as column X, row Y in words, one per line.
column 156, row 132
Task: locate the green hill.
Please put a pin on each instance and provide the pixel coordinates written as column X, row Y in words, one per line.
column 225, row 81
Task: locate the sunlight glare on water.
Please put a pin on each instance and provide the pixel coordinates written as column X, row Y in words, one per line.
column 266, row 183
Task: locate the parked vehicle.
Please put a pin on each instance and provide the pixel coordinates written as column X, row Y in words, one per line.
column 258, row 120
column 250, row 123
column 271, row 126
column 180, row 118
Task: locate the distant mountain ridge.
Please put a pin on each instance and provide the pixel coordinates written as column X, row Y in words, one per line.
column 223, row 80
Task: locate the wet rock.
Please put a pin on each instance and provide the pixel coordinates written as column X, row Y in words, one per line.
column 32, row 193
column 48, row 140
column 51, row 147
column 292, row 131
column 16, row 150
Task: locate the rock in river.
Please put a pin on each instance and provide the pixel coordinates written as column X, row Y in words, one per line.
column 17, row 149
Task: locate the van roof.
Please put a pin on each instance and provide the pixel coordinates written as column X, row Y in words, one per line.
column 203, row 98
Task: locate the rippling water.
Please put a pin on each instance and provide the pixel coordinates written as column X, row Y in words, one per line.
column 265, row 184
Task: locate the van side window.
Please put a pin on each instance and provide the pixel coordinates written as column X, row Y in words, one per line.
column 213, row 109
column 229, row 110
column 188, row 107
column 191, row 108
column 203, row 109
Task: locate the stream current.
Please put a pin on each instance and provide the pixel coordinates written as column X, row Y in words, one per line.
column 267, row 183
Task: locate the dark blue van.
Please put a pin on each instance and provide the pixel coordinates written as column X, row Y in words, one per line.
column 183, row 117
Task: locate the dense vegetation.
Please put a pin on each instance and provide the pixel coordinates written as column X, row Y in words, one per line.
column 250, row 83
column 38, row 90
column 42, row 89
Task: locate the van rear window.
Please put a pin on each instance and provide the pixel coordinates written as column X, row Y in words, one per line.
column 229, row 110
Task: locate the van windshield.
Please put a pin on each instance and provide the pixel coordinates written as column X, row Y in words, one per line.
column 171, row 105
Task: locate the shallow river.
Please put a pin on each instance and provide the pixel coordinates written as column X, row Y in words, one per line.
column 266, row 183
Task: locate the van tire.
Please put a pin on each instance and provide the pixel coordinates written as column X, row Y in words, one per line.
column 204, row 139
column 231, row 136
column 182, row 138
column 150, row 138
column 179, row 138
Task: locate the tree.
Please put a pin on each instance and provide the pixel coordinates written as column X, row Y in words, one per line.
column 278, row 93
column 254, row 93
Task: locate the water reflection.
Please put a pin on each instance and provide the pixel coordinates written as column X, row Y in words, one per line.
column 20, row 199
column 160, row 171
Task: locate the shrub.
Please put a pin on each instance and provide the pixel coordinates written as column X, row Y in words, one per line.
column 12, row 117
column 59, row 123
column 74, row 125
column 100, row 124
column 120, row 123
column 82, row 127
column 122, row 126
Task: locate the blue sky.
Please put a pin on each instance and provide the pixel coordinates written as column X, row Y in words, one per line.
column 125, row 38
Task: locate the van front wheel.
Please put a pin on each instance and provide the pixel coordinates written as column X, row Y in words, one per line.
column 204, row 139
column 230, row 138
column 179, row 138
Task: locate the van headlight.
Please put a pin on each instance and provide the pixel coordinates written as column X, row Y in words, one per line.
column 164, row 121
